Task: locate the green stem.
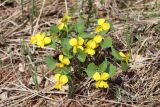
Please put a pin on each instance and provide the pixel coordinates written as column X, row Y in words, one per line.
column 32, row 13
column 33, row 8
column 33, row 72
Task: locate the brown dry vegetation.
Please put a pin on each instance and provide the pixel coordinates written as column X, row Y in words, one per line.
column 136, row 21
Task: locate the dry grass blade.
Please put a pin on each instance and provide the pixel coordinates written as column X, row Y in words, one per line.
column 140, row 86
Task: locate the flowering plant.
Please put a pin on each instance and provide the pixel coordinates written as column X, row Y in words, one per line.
column 79, row 47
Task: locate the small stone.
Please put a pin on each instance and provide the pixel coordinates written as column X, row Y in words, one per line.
column 21, row 67
column 4, row 96
column 39, row 80
column 42, row 69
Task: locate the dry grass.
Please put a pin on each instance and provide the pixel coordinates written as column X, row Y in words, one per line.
column 140, row 86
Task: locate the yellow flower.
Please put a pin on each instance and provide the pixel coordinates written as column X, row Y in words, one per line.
column 100, row 80
column 47, row 40
column 61, row 26
column 60, row 65
column 97, row 38
column 63, row 61
column 63, row 21
column 90, row 51
column 60, row 81
column 65, row 18
column 33, row 40
column 90, row 47
column 102, row 25
column 76, row 43
column 125, row 56
column 91, row 44
column 40, row 39
column 43, row 40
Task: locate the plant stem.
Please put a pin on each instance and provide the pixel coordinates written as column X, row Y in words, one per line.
column 33, row 72
column 66, row 6
column 33, row 8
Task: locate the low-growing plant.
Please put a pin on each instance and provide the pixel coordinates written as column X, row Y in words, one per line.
column 81, row 50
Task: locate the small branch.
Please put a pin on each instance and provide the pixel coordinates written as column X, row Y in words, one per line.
column 36, row 26
column 90, row 4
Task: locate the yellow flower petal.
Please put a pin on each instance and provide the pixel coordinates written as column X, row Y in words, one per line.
column 57, row 77
column 61, row 26
column 65, row 18
column 81, row 47
column 40, row 40
column 66, row 61
column 58, row 86
column 98, row 29
column 73, row 42
column 103, row 84
column 80, row 41
column 43, row 35
column 106, row 26
column 90, row 51
column 33, row 40
column 97, row 38
column 38, row 36
column 122, row 54
column 96, row 76
column 63, row 79
column 92, row 44
column 60, row 65
column 101, row 21
column 97, row 84
column 47, row 40
column 60, row 57
column 104, row 76
column 40, row 43
column 74, row 49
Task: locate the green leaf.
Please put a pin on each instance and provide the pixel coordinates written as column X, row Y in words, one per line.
column 65, row 70
column 66, row 47
column 103, row 32
column 107, row 43
column 51, row 63
column 111, row 24
column 112, row 70
column 54, row 29
column 102, row 1
column 91, row 69
column 66, row 52
column 85, row 35
column 81, row 55
column 53, row 44
column 124, row 66
column 34, row 77
column 116, row 55
column 80, row 26
column 103, row 66
column 71, row 27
